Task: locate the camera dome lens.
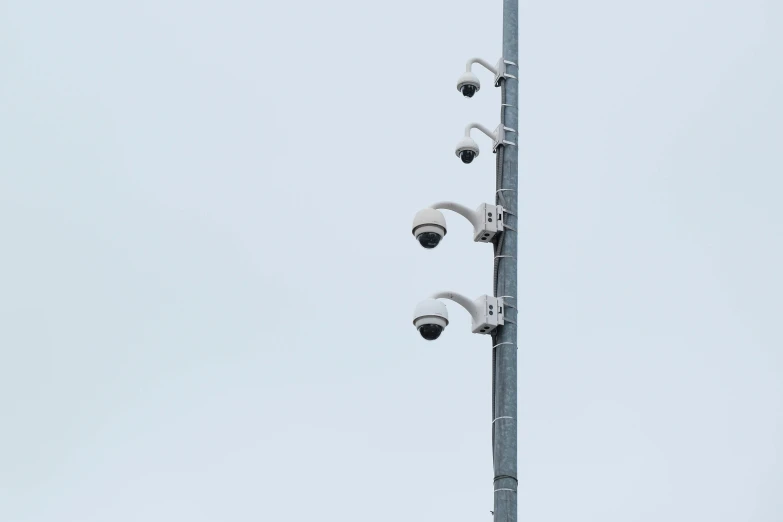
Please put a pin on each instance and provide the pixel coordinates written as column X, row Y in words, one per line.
column 468, row 90
column 428, row 239
column 430, row 331
column 467, row 156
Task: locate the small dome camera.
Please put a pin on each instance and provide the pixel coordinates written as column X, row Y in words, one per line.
column 468, row 84
column 429, row 227
column 430, row 318
column 467, row 149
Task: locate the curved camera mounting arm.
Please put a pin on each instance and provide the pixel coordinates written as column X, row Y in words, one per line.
column 462, row 210
column 460, row 299
column 498, row 70
column 483, row 62
column 474, row 125
column 486, row 312
column 487, row 219
column 498, row 137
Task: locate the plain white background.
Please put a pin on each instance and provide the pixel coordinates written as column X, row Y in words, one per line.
column 207, row 274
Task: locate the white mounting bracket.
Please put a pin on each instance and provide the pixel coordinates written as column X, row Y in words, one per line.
column 498, row 70
column 487, row 219
column 489, row 314
column 500, row 137
column 490, row 222
column 501, row 71
column 486, row 312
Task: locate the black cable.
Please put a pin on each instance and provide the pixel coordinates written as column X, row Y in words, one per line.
column 498, row 245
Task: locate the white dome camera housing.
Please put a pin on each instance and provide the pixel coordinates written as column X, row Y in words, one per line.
column 430, row 318
column 429, row 224
column 468, row 84
column 467, row 149
column 429, row 227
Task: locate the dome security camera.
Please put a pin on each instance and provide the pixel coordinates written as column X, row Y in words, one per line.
column 468, row 84
column 431, row 316
column 429, row 227
column 429, row 224
column 467, row 150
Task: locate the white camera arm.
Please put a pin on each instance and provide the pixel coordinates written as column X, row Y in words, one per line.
column 487, row 220
column 460, row 299
column 462, row 210
column 486, row 312
column 480, row 61
column 498, row 137
column 499, row 70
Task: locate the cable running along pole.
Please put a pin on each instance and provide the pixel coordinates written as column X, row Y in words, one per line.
column 504, row 351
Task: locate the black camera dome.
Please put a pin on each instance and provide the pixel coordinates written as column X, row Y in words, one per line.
column 429, row 239
column 468, row 90
column 430, row 331
column 467, row 156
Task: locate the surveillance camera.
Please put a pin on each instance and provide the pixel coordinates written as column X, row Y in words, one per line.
column 468, row 84
column 467, row 149
column 430, row 318
column 429, row 227
column 470, row 81
column 429, row 224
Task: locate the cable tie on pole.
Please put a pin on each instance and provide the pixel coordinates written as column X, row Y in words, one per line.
column 493, row 422
column 499, row 192
column 501, row 477
column 502, row 256
column 508, row 296
column 501, row 344
column 505, row 489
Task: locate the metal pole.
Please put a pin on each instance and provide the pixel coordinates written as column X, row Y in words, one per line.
column 504, row 355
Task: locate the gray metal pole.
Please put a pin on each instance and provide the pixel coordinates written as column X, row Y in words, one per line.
column 504, row 356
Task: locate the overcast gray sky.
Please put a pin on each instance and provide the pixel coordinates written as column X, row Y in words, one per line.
column 207, row 274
